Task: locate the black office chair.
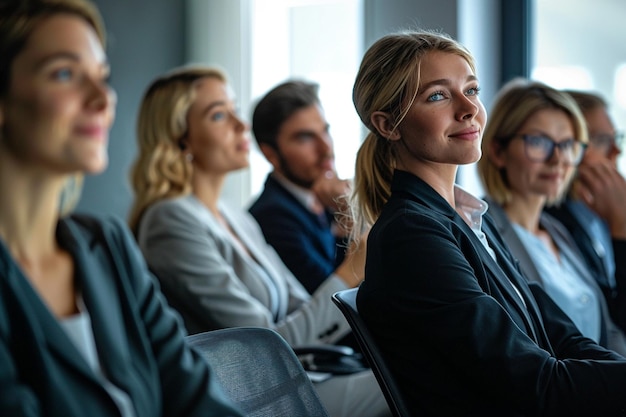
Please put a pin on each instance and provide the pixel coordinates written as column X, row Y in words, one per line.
column 346, row 301
column 259, row 372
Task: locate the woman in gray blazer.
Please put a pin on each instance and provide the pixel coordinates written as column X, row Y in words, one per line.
column 534, row 139
column 84, row 330
column 213, row 261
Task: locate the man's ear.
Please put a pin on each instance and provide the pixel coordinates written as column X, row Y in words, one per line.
column 270, row 154
column 383, row 123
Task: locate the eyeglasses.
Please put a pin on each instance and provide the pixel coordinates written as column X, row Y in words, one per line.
column 540, row 148
column 606, row 142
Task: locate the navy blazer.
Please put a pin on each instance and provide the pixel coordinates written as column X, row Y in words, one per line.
column 455, row 332
column 139, row 340
column 303, row 240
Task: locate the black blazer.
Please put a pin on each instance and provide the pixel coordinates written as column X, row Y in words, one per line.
column 139, row 340
column 456, row 333
column 303, row 240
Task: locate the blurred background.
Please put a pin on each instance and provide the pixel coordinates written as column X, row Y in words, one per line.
column 577, row 44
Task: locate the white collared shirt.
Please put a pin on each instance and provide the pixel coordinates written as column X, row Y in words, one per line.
column 472, row 209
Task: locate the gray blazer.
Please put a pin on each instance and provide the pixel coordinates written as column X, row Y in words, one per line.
column 214, row 282
column 612, row 337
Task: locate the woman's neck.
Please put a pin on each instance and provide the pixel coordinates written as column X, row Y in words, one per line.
column 525, row 211
column 208, row 189
column 441, row 177
column 29, row 212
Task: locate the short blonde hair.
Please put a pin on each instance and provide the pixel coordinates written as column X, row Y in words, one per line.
column 388, row 80
column 516, row 101
column 160, row 169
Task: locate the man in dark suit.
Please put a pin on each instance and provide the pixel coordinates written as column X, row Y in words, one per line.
column 298, row 207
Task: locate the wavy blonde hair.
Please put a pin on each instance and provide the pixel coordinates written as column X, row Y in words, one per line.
column 388, row 80
column 517, row 101
column 161, row 170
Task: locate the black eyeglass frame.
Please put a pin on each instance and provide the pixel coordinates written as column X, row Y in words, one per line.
column 553, row 145
column 607, row 142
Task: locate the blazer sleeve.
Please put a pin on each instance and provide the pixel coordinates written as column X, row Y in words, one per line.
column 187, row 384
column 618, row 297
column 179, row 248
column 16, row 399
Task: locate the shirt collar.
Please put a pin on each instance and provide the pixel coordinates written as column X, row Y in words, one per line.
column 470, row 208
column 305, row 196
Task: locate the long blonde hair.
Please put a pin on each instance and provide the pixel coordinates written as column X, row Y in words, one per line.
column 161, row 169
column 388, row 80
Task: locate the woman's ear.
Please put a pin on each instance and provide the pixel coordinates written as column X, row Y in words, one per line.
column 496, row 153
column 383, row 123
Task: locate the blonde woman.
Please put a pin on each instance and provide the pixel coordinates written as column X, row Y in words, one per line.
column 532, row 144
column 212, row 260
column 84, row 330
column 462, row 331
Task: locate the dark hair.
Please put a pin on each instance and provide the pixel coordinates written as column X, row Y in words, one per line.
column 19, row 18
column 587, row 100
column 278, row 105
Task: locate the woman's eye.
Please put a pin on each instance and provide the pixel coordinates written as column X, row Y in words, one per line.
column 63, row 74
column 474, row 91
column 436, row 96
column 216, row 117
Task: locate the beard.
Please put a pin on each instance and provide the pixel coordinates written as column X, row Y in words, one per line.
column 289, row 173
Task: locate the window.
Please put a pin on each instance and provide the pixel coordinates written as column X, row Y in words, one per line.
column 316, row 40
column 580, row 45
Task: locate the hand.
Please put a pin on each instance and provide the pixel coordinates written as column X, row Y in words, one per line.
column 352, row 269
column 332, row 192
column 603, row 189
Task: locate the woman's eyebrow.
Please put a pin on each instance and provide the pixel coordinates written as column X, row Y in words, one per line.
column 444, row 82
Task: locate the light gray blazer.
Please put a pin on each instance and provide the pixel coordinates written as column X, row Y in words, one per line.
column 214, row 282
column 614, row 338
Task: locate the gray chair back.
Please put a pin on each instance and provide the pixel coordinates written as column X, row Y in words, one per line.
column 259, row 372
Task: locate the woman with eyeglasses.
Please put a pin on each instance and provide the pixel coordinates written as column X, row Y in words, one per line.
column 594, row 209
column 534, row 140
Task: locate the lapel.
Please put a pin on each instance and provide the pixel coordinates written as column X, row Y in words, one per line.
column 33, row 323
column 503, row 273
column 512, row 240
column 294, row 199
column 506, row 276
column 252, row 238
column 96, row 280
column 506, row 267
column 248, row 231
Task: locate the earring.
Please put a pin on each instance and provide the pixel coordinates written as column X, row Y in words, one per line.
column 189, row 157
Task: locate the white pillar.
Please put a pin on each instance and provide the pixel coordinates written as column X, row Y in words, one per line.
column 219, row 33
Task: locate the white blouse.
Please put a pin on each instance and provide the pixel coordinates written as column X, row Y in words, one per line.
column 79, row 330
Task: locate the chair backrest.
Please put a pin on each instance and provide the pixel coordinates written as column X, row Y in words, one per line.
column 259, row 372
column 346, row 301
